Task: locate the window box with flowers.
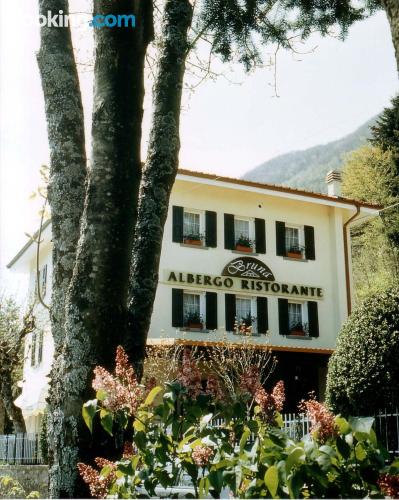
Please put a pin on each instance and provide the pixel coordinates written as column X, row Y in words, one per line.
column 193, row 321
column 299, row 330
column 193, row 239
column 244, row 244
column 296, row 252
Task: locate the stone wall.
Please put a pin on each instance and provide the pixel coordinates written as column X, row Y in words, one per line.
column 31, row 477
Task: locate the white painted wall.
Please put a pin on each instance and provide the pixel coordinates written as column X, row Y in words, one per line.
column 327, row 271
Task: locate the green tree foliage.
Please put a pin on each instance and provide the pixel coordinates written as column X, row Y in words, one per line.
column 364, row 371
column 369, row 175
column 385, row 135
column 241, row 28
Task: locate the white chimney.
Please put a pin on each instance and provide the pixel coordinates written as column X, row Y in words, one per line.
column 333, row 181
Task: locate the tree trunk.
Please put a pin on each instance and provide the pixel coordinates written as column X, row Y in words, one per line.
column 159, row 174
column 2, row 417
column 392, row 10
column 14, row 413
column 97, row 297
column 65, row 128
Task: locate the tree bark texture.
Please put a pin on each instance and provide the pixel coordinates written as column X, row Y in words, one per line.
column 159, row 174
column 96, row 304
column 392, row 11
column 65, row 128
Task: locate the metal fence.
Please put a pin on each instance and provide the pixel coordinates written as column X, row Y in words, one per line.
column 20, row 449
column 25, row 448
column 387, row 429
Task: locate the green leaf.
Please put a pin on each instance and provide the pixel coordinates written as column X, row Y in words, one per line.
column 244, row 438
column 101, row 395
column 343, row 447
column 271, row 480
column 152, row 395
column 296, row 456
column 360, row 452
column 107, row 420
column 138, row 425
column 361, row 424
column 343, row 425
column 295, row 484
column 88, row 411
column 216, row 480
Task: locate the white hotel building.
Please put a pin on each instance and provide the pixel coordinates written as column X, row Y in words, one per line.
column 275, row 257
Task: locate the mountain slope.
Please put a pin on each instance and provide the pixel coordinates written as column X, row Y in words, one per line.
column 307, row 169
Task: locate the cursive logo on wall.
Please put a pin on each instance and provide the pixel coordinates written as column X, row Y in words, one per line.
column 248, row 267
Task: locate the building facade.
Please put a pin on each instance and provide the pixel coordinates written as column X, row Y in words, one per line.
column 236, row 256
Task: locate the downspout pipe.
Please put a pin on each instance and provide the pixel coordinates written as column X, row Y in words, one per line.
column 346, row 257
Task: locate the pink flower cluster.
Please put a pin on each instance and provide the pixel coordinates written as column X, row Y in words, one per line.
column 129, row 450
column 213, row 388
column 189, row 375
column 202, row 455
column 122, row 390
column 269, row 402
column 98, row 485
column 389, row 485
column 322, row 419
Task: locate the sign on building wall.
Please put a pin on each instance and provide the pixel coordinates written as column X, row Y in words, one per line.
column 243, row 274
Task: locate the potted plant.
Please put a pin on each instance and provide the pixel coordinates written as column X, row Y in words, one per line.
column 244, row 244
column 193, row 321
column 299, row 330
column 295, row 252
column 193, row 239
column 244, row 326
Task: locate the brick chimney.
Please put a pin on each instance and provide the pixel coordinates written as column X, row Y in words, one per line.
column 333, row 181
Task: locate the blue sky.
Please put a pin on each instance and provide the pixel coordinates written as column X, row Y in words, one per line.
column 227, row 127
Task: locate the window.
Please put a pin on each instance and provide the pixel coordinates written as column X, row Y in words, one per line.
column 195, row 307
column 246, row 309
column 243, row 310
column 241, row 229
column 191, row 225
column 192, row 310
column 243, row 234
column 42, row 281
column 33, row 350
column 291, row 238
column 294, row 315
column 295, row 242
column 36, row 354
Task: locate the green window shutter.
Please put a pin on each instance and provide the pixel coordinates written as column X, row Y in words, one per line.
column 210, row 229
column 283, row 316
column 309, row 243
column 260, row 236
column 262, row 314
column 177, row 231
column 313, row 318
column 177, row 307
column 211, row 310
column 33, row 350
column 229, row 240
column 230, row 310
column 280, row 239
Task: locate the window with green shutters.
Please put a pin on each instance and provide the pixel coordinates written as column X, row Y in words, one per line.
column 246, row 312
column 298, row 316
column 247, row 232
column 295, row 241
column 191, row 226
column 190, row 307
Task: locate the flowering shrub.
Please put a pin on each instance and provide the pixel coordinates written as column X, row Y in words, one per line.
column 218, row 441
